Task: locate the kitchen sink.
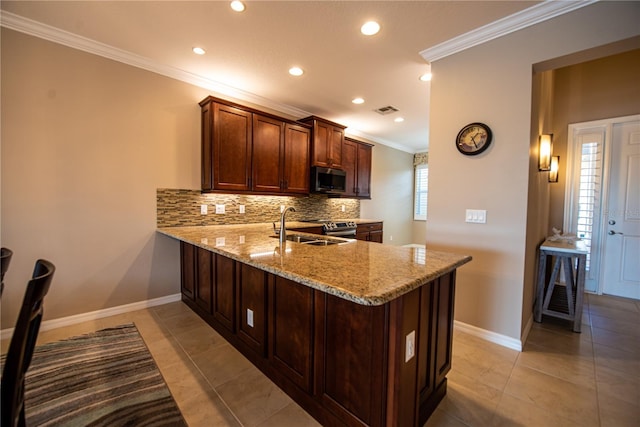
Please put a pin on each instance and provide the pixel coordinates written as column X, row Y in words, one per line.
column 322, row 242
column 315, row 241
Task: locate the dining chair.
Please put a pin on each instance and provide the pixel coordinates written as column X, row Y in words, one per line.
column 5, row 256
column 22, row 345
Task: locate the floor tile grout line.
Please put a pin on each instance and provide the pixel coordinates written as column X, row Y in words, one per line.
column 595, row 367
column 200, row 371
column 226, row 382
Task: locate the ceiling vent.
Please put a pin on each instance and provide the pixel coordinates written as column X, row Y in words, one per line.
column 386, row 110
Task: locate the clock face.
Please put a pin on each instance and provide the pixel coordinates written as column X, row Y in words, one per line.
column 473, row 139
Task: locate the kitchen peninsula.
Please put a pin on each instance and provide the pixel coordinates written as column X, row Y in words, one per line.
column 357, row 333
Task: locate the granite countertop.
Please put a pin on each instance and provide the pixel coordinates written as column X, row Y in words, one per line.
column 363, row 272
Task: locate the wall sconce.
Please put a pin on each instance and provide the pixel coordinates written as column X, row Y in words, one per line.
column 553, row 171
column 544, row 152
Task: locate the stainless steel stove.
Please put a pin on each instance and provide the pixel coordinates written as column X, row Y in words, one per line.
column 337, row 228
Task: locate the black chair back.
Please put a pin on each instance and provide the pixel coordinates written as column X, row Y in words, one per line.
column 22, row 345
column 5, row 256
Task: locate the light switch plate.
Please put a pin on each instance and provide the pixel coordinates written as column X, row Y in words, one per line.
column 220, row 209
column 477, row 216
column 203, row 209
column 241, row 209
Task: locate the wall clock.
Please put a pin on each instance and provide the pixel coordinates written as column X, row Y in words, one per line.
column 473, row 139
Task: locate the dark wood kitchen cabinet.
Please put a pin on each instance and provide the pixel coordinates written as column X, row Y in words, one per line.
column 344, row 363
column 248, row 151
column 356, row 162
column 197, row 265
column 226, row 147
column 252, row 308
column 326, row 142
column 208, row 280
column 370, row 232
column 291, row 330
column 280, row 156
column 188, row 270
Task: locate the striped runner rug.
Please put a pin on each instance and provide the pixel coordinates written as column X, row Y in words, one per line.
column 105, row 378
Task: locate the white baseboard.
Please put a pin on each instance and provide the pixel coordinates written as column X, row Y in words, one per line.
column 98, row 314
column 493, row 337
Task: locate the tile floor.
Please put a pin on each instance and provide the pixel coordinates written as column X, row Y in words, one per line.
column 560, row 379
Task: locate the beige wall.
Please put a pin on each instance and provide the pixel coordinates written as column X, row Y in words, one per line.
column 492, row 83
column 599, row 89
column 86, row 142
column 391, row 194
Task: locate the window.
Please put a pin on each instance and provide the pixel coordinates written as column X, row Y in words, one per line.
column 421, row 190
column 589, row 193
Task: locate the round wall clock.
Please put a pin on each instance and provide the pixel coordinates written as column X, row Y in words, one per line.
column 473, row 139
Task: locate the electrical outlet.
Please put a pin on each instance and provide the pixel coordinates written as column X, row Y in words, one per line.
column 220, row 241
column 203, row 209
column 241, row 209
column 204, row 241
column 250, row 317
column 343, row 208
column 220, row 209
column 390, row 237
column 241, row 239
column 281, row 208
column 410, row 346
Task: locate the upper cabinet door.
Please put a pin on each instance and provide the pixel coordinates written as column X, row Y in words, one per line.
column 295, row 172
column 335, row 144
column 363, row 178
column 356, row 162
column 327, row 141
column 248, row 151
column 231, row 148
column 268, row 142
column 349, row 163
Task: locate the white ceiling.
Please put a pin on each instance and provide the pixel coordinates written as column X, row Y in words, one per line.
column 249, row 53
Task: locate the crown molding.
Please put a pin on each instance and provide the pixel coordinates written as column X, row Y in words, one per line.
column 509, row 24
column 75, row 41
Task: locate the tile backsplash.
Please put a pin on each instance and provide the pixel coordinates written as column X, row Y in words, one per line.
column 176, row 207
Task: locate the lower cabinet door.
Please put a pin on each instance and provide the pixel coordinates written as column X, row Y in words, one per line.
column 252, row 310
column 204, row 279
column 188, row 270
column 444, row 326
column 351, row 360
column 224, row 292
column 291, row 330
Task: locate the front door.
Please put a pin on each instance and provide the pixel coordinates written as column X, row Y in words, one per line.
column 621, row 241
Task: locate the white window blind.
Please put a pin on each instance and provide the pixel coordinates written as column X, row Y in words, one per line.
column 589, row 192
column 421, row 190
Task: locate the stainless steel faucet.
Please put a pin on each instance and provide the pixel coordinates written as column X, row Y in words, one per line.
column 283, row 228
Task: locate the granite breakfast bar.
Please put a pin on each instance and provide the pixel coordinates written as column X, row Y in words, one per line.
column 357, row 333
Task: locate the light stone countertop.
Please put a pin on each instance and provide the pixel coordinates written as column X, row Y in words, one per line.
column 363, row 272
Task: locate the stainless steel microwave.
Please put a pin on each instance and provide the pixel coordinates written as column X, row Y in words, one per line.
column 327, row 180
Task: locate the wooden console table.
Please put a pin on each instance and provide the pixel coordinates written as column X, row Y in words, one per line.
column 562, row 300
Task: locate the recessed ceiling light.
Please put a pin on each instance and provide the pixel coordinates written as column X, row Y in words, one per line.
column 370, row 28
column 357, row 101
column 296, row 71
column 198, row 50
column 426, row 77
column 237, row 5
column 399, row 119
